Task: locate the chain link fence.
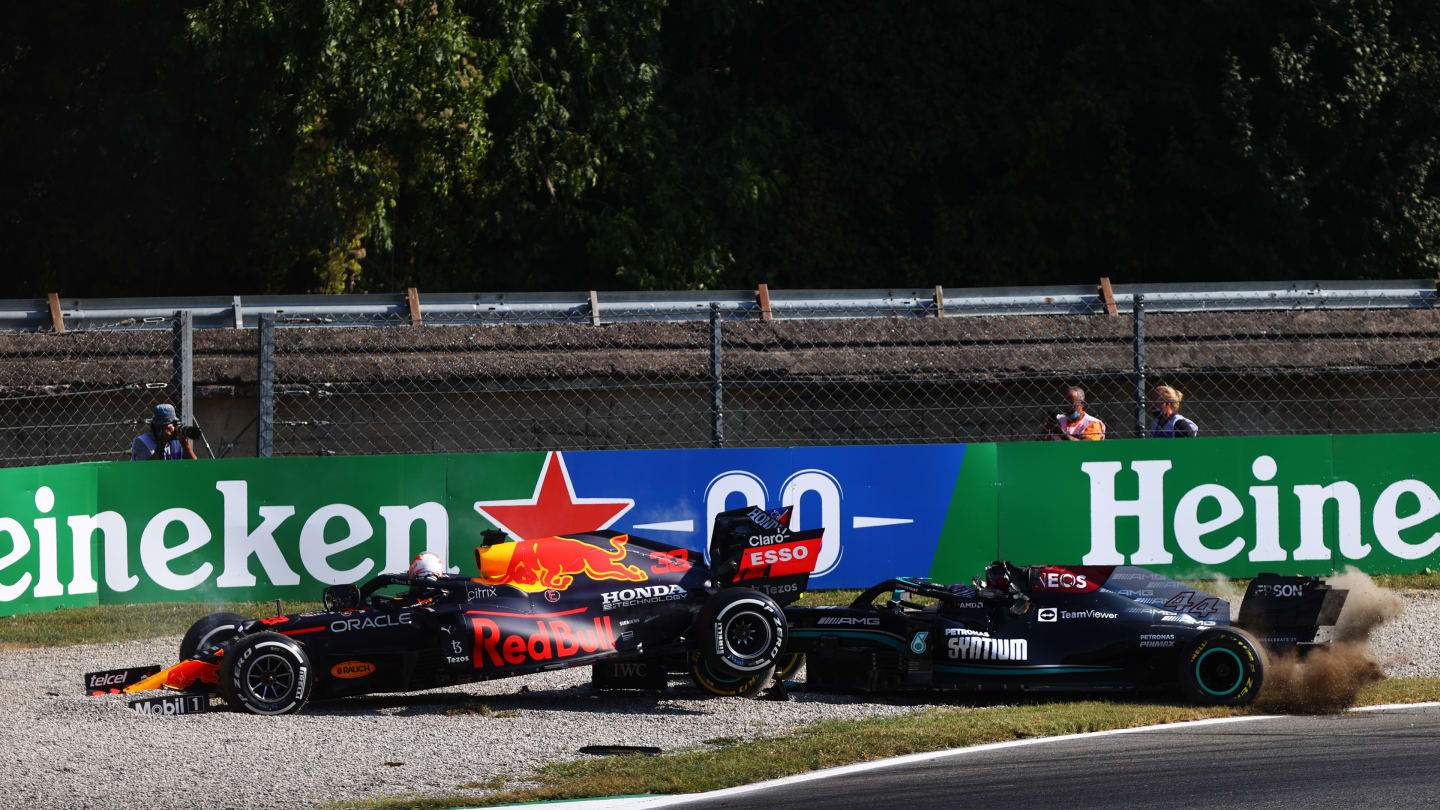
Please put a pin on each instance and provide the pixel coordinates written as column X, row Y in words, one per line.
column 835, row 373
column 80, row 395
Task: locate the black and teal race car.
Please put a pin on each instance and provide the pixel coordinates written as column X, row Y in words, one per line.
column 1062, row 628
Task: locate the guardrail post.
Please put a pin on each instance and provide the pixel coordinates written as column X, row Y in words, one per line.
column 717, row 391
column 182, row 355
column 265, row 389
column 1138, row 311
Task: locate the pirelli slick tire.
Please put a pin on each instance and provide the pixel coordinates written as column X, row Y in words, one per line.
column 210, row 631
column 266, row 673
column 789, row 665
column 741, row 632
column 1222, row 667
column 723, row 683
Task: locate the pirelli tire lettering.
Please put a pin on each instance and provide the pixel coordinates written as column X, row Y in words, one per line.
column 266, row 673
column 1222, row 667
column 742, row 632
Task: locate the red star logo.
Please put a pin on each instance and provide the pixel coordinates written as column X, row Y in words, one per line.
column 553, row 509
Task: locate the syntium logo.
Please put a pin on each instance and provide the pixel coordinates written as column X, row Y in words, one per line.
column 976, row 648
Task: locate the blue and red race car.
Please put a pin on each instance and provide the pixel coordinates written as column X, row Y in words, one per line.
column 583, row 599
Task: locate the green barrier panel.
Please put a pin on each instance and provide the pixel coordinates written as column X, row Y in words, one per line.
column 968, row 541
column 41, row 510
column 1230, row 506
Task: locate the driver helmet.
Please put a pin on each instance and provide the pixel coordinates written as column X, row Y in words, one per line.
column 426, row 566
column 997, row 576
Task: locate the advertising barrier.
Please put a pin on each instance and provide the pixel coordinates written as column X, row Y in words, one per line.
column 245, row 529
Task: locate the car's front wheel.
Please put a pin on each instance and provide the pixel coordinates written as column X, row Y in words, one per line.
column 208, row 632
column 1222, row 667
column 266, row 673
column 725, row 684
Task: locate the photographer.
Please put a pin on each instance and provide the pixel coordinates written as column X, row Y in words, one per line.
column 166, row 440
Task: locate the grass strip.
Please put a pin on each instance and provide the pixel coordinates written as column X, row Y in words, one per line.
column 843, row 742
column 109, row 623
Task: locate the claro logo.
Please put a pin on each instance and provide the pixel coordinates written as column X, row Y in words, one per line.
column 352, row 669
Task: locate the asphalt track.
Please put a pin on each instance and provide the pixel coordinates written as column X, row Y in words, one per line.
column 1384, row 758
column 1360, row 759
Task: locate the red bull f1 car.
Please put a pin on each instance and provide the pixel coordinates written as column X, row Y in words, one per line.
column 584, row 599
column 1079, row 628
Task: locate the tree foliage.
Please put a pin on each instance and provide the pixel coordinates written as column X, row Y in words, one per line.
column 356, row 145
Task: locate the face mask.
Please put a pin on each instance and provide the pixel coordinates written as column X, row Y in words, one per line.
column 1155, row 412
column 1073, row 415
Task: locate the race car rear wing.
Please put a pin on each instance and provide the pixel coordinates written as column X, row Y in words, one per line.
column 1288, row 611
column 755, row 548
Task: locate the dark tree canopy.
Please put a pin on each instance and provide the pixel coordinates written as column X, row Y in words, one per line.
column 352, row 145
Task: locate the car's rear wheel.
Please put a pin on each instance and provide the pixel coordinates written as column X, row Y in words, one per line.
column 210, row 631
column 1222, row 667
column 266, row 673
column 740, row 632
column 725, row 684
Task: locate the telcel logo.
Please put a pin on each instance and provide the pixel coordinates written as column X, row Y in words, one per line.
column 352, row 669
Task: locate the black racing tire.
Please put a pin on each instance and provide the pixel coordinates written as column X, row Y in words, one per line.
column 789, row 664
column 1222, row 666
column 741, row 632
column 210, row 631
column 266, row 673
column 724, row 684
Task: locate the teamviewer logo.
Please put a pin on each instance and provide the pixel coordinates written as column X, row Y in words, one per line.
column 1047, row 614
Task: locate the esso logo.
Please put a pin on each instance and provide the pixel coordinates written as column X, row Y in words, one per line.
column 1063, row 581
column 770, row 556
column 803, row 491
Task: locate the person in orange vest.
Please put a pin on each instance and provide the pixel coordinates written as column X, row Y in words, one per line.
column 1074, row 423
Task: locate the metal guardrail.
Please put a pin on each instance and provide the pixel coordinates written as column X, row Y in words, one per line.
column 353, row 374
column 218, row 312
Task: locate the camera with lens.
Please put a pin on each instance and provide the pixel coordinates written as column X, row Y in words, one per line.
column 190, row 431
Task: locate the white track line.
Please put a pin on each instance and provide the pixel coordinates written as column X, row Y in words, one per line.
column 646, row 802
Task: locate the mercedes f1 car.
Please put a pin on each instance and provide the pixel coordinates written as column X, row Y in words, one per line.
column 1077, row 628
column 538, row 604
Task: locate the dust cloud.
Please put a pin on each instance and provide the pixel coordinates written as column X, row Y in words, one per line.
column 1327, row 680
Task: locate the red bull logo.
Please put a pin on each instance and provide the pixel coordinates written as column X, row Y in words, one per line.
column 551, row 639
column 552, row 563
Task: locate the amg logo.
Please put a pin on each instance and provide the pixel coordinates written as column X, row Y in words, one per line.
column 974, row 648
column 848, row 620
column 646, row 593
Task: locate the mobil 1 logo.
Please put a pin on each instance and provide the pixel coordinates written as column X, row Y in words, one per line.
column 172, row 704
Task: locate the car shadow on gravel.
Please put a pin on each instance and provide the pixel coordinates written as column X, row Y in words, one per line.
column 575, row 699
